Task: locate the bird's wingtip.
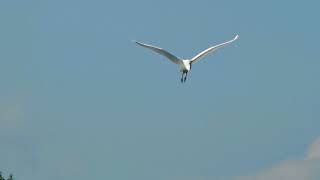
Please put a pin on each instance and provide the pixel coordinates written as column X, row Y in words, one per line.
column 236, row 37
column 136, row 42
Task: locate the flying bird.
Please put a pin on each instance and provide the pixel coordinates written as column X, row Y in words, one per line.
column 185, row 64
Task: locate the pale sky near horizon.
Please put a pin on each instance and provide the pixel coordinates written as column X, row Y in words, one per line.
column 79, row 100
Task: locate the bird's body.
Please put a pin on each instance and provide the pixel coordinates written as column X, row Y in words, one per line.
column 185, row 64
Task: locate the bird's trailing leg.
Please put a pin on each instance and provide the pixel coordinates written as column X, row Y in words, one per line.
column 185, row 77
column 182, row 77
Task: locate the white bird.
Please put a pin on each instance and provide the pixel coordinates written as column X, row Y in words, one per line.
column 185, row 64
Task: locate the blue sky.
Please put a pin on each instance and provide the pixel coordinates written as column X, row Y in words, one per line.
column 79, row 100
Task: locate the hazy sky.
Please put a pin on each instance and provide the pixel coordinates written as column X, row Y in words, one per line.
column 79, row 100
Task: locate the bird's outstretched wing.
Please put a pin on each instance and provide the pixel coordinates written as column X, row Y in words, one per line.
column 161, row 51
column 211, row 49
